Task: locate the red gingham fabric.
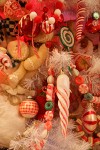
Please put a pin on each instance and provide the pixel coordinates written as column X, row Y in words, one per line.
column 29, row 109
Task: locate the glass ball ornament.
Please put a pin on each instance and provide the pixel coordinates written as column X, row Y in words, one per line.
column 28, row 108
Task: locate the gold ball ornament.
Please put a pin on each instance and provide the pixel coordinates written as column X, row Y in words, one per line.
column 2, row 2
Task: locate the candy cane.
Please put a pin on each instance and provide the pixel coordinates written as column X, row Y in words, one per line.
column 49, row 93
column 80, row 18
column 63, row 93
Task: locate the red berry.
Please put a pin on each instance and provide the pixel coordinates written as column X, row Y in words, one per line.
column 29, row 6
column 37, row 19
column 79, row 80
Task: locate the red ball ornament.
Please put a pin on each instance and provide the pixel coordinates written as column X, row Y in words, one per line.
column 92, row 25
column 79, row 80
column 89, row 119
column 28, row 108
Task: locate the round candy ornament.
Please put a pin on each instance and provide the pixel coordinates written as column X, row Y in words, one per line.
column 89, row 119
column 28, row 108
column 66, row 37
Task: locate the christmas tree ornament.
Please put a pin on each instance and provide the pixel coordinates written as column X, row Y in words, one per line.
column 49, row 105
column 63, row 93
column 89, row 119
column 12, row 7
column 47, row 27
column 28, row 108
column 96, row 15
column 83, row 88
column 66, row 37
column 92, row 25
column 81, row 11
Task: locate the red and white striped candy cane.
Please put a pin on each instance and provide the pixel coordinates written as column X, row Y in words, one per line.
column 81, row 10
column 63, row 93
column 49, row 93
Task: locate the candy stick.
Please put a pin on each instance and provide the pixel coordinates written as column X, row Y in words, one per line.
column 63, row 93
column 80, row 18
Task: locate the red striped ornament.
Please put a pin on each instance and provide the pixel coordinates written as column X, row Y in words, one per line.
column 89, row 119
column 80, row 18
column 63, row 93
column 28, row 108
column 47, row 28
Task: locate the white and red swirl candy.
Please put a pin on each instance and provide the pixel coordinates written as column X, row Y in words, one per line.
column 5, row 62
column 81, row 10
column 63, row 93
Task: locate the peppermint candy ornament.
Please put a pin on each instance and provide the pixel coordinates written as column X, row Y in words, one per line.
column 47, row 27
column 66, row 37
column 83, row 88
column 89, row 119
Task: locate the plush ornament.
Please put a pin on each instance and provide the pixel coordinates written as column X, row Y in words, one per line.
column 16, row 47
column 28, row 108
column 33, row 62
column 89, row 119
column 92, row 25
column 11, row 121
column 11, row 8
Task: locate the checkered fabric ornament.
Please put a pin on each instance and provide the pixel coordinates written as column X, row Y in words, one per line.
column 11, row 27
column 1, row 31
column 28, row 108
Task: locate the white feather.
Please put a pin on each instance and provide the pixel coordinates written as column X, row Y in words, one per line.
column 95, row 68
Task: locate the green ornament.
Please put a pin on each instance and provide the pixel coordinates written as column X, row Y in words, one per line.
column 66, row 37
column 49, row 105
column 96, row 15
column 88, row 96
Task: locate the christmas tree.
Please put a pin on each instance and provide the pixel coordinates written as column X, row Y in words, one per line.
column 50, row 74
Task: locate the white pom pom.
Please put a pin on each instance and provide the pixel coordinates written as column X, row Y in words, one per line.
column 51, row 20
column 57, row 12
column 33, row 15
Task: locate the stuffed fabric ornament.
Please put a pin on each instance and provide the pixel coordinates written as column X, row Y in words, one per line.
column 10, row 121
